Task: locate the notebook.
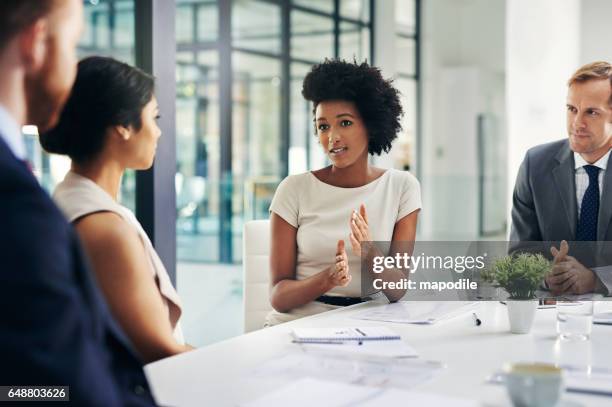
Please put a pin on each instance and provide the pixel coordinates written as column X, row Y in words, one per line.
column 336, row 335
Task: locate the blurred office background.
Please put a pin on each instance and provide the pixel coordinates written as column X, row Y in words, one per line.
column 481, row 82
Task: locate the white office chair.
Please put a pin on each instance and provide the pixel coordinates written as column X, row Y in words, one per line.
column 255, row 260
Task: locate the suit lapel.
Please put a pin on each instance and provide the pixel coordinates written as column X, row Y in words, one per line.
column 605, row 205
column 565, row 181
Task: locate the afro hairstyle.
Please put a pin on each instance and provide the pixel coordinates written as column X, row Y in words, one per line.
column 375, row 97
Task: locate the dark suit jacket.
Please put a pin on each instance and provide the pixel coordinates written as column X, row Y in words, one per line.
column 56, row 328
column 544, row 206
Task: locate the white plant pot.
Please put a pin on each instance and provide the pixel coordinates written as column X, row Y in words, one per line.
column 521, row 314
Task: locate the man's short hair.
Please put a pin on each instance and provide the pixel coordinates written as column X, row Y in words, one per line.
column 15, row 15
column 595, row 70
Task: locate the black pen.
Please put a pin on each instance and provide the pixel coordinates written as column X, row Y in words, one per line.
column 477, row 320
column 362, row 333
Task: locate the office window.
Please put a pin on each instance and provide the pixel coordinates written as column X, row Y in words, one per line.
column 185, row 30
column 355, row 9
column 256, row 135
column 406, row 143
column 405, row 16
column 109, row 31
column 256, row 26
column 405, row 54
column 208, row 21
column 326, row 6
column 258, row 161
column 312, row 36
column 197, row 149
column 354, row 42
column 302, row 128
column 406, row 43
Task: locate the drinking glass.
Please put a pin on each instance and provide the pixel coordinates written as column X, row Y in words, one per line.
column 574, row 319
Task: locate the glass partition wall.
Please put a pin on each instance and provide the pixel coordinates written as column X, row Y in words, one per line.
column 233, row 153
column 109, row 31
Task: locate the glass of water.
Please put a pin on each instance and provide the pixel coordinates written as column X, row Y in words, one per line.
column 574, row 319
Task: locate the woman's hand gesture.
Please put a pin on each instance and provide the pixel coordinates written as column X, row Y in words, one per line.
column 360, row 231
column 339, row 272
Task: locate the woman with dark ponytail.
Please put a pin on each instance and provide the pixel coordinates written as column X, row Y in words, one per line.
column 107, row 126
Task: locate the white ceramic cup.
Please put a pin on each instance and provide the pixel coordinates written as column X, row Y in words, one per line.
column 534, row 384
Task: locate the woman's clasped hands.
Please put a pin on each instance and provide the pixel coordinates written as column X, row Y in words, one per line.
column 360, row 233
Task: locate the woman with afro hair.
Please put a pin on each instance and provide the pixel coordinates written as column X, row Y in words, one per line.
column 319, row 219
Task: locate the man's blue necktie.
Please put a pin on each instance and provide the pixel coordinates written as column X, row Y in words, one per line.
column 587, row 224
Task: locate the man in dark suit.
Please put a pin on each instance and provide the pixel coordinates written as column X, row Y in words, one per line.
column 55, row 327
column 564, row 189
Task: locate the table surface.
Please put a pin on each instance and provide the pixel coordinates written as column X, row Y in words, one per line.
column 217, row 375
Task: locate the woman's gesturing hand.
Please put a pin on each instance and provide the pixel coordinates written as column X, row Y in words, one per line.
column 360, row 231
column 339, row 273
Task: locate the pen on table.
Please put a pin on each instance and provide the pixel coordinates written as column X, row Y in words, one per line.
column 362, row 333
column 477, row 320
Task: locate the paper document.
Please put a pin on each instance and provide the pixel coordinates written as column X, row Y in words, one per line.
column 368, row 349
column 417, row 312
column 331, row 335
column 309, row 392
column 389, row 372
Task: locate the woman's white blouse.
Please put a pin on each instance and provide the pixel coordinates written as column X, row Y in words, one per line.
column 78, row 196
column 321, row 213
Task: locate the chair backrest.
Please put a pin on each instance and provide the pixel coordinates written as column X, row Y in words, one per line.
column 255, row 259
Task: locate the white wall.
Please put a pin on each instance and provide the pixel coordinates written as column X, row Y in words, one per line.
column 595, row 44
column 463, row 76
column 542, row 51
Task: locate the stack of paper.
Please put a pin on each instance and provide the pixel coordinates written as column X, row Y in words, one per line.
column 417, row 312
column 309, row 392
column 390, row 372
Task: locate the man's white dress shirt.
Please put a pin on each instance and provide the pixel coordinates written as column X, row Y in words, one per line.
column 10, row 132
column 582, row 178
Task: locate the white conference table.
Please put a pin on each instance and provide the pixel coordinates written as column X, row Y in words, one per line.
column 218, row 375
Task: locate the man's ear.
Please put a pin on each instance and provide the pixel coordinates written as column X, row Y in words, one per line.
column 33, row 44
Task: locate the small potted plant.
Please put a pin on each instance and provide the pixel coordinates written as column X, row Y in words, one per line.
column 520, row 275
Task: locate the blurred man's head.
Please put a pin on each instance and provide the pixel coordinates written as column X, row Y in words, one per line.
column 589, row 110
column 39, row 38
